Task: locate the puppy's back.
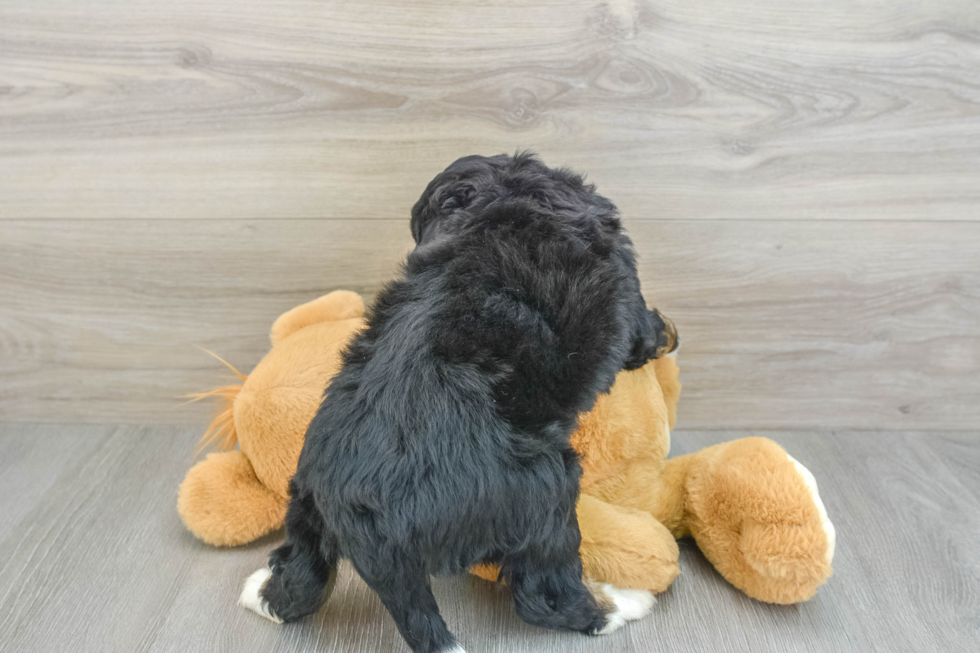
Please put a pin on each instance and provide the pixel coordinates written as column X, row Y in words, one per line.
column 508, row 320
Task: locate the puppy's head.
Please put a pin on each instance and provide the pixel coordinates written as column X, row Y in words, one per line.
column 473, row 185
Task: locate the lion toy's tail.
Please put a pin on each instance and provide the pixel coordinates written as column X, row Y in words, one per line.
column 221, row 500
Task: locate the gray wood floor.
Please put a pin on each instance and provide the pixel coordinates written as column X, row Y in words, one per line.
column 94, row 558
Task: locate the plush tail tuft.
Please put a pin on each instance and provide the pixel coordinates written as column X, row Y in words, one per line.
column 221, row 431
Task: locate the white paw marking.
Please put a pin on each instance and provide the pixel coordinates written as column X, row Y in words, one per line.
column 811, row 484
column 630, row 606
column 251, row 597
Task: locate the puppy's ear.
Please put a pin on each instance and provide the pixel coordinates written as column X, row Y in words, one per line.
column 453, row 190
column 446, row 195
column 666, row 334
column 456, row 195
column 660, row 340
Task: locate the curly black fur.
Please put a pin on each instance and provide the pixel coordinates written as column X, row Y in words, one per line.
column 444, row 439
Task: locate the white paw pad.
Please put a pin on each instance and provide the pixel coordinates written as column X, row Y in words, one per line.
column 811, row 484
column 630, row 605
column 251, row 597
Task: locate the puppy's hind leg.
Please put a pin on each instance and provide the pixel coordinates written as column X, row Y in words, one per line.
column 548, row 590
column 301, row 573
column 402, row 584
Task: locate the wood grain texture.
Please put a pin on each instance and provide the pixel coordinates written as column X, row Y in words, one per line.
column 784, row 325
column 245, row 108
column 96, row 559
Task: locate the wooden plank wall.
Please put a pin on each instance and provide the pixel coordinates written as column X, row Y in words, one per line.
column 802, row 181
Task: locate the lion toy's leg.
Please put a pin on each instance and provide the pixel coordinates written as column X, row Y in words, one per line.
column 223, row 503
column 756, row 515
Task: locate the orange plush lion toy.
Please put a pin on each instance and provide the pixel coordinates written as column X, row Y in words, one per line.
column 752, row 509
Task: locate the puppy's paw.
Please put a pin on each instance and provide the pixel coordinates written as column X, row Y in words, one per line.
column 622, row 605
column 251, row 597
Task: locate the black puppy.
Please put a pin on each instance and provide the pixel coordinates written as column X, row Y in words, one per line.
column 444, row 440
